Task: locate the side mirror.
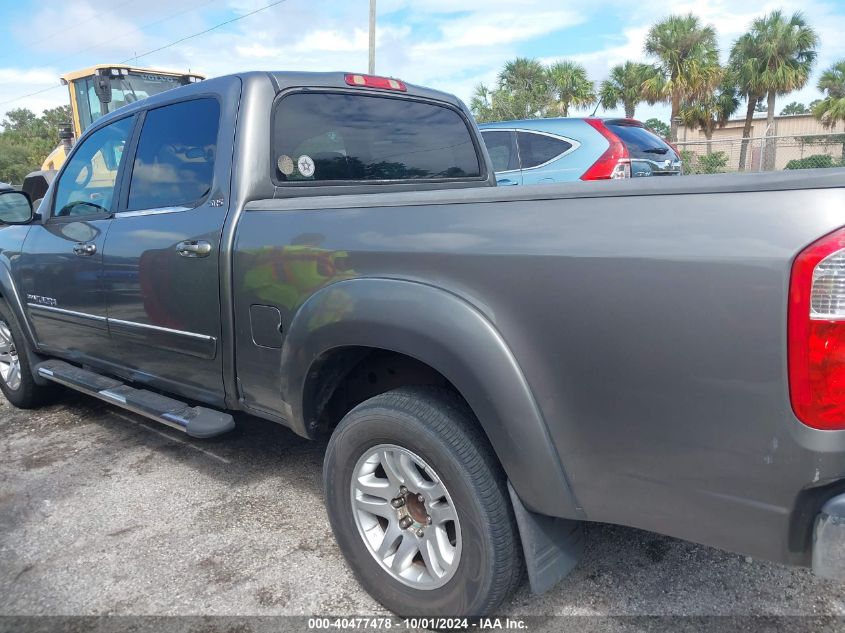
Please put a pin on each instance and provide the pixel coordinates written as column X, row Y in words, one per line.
column 102, row 88
column 15, row 208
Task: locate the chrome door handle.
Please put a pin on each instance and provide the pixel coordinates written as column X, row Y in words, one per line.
column 193, row 248
column 84, row 250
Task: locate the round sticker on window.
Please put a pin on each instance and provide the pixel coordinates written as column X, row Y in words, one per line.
column 285, row 164
column 305, row 165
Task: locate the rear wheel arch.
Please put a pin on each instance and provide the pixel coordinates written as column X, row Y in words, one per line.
column 450, row 337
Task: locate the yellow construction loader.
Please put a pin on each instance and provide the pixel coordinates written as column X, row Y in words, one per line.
column 96, row 91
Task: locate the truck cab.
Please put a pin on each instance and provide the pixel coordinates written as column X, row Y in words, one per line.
column 94, row 92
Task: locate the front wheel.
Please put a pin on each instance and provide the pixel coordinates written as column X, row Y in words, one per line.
column 419, row 506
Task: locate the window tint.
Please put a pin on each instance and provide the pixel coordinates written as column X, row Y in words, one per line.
column 642, row 143
column 321, row 136
column 501, row 145
column 86, row 186
column 174, row 163
column 536, row 149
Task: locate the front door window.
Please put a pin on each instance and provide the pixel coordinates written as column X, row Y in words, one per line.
column 86, row 186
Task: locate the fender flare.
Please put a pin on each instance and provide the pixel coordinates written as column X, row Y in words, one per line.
column 9, row 293
column 11, row 297
column 450, row 335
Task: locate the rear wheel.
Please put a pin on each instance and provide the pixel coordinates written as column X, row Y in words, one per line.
column 16, row 380
column 419, row 506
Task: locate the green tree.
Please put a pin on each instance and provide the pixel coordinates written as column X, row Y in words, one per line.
column 783, row 57
column 523, row 86
column 481, row 104
column 658, row 127
column 569, row 86
column 744, row 65
column 15, row 162
column 711, row 110
column 625, row 85
column 521, row 92
column 831, row 109
column 26, row 139
column 688, row 57
column 794, row 108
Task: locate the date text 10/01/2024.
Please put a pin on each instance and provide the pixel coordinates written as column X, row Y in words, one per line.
column 453, row 624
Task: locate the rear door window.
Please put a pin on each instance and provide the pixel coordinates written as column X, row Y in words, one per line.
column 537, row 149
column 345, row 137
column 174, row 164
column 501, row 145
column 640, row 142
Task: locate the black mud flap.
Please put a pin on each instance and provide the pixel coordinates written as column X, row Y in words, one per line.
column 552, row 546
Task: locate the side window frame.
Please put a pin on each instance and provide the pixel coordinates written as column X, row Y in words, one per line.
column 123, row 201
column 119, row 179
column 572, row 142
column 475, row 137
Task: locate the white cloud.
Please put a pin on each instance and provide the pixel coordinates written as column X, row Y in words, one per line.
column 444, row 44
column 28, row 76
column 492, row 29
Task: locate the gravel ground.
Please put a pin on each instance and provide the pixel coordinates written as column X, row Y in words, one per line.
column 103, row 512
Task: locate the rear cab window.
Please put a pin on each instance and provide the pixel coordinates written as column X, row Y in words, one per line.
column 321, row 137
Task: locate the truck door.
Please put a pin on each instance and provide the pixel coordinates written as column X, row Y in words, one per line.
column 161, row 257
column 62, row 257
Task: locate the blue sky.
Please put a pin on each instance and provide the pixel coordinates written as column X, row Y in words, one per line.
column 447, row 44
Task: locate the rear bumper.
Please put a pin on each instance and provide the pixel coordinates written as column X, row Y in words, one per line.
column 829, row 540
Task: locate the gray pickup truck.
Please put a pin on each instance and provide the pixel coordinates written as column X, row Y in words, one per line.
column 493, row 367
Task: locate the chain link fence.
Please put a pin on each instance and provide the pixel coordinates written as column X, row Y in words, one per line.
column 763, row 154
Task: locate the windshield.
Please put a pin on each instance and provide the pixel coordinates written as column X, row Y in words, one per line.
column 642, row 143
column 125, row 89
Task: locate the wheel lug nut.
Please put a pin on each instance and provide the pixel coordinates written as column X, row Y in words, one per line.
column 428, row 520
column 398, row 502
column 403, row 490
column 420, row 532
column 420, row 498
column 405, row 522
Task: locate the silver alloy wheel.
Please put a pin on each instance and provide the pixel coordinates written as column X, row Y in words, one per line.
column 10, row 365
column 406, row 517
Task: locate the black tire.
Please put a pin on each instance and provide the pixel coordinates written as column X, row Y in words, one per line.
column 28, row 394
column 437, row 426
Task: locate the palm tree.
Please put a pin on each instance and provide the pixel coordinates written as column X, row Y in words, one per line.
column 481, row 105
column 688, row 57
column 712, row 110
column 523, row 89
column 784, row 54
column 831, row 109
column 794, row 108
column 625, row 86
column 745, row 68
column 570, row 87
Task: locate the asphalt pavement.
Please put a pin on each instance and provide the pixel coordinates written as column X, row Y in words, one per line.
column 105, row 513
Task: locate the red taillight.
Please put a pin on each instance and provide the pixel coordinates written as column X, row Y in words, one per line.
column 371, row 81
column 816, row 333
column 614, row 163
